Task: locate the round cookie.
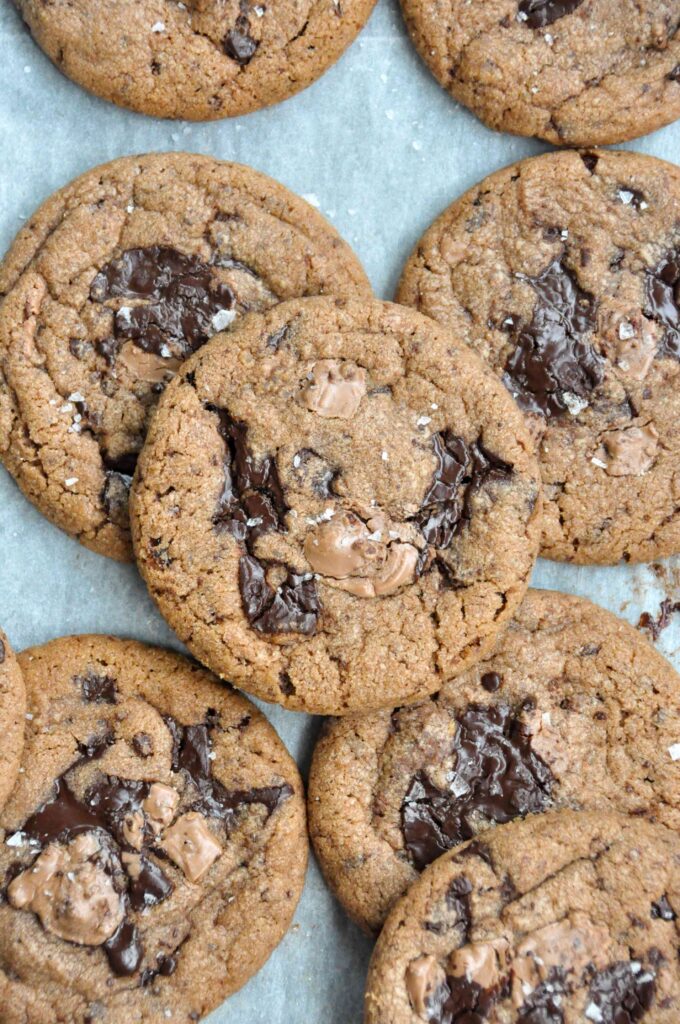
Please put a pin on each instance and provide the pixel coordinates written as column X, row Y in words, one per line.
column 565, row 918
column 113, row 282
column 341, row 514
column 12, row 710
column 571, row 709
column 154, row 849
column 564, row 270
column 573, row 72
column 203, row 59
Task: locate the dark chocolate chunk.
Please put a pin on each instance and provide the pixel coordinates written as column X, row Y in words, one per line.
column 150, row 886
column 491, row 681
column 622, row 992
column 662, row 909
column 165, row 966
column 239, row 45
column 674, row 75
column 252, row 492
column 292, row 608
column 124, row 949
column 590, row 160
column 183, row 296
column 459, row 1001
column 497, row 776
column 551, row 360
column 462, row 470
column 142, row 744
column 191, row 754
column 97, row 689
column 630, row 196
column 458, row 900
column 2, row 652
column 543, row 1006
column 663, row 298
column 539, row 13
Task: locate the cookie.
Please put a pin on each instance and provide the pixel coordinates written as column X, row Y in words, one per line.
column 572, row 708
column 203, row 59
column 154, row 849
column 573, row 72
column 342, row 513
column 564, row 271
column 12, row 710
column 113, row 282
column 566, row 918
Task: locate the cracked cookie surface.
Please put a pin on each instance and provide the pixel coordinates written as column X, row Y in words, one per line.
column 12, row 710
column 571, row 709
column 573, row 72
column 153, row 850
column 565, row 918
column 112, row 283
column 341, row 515
column 201, row 59
column 563, row 273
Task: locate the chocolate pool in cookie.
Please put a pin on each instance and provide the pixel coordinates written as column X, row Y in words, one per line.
column 337, row 507
column 567, row 917
column 153, row 850
column 110, row 286
column 563, row 272
column 572, row 708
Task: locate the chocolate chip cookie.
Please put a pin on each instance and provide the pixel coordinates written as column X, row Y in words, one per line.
column 559, row 919
column 342, row 512
column 202, row 59
column 12, row 710
column 573, row 72
column 154, row 849
column 110, row 286
column 564, row 270
column 572, row 708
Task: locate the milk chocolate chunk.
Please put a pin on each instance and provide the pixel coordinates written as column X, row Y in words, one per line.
column 663, row 298
column 181, row 296
column 191, row 845
column 553, row 368
column 540, row 13
column 497, row 776
column 335, row 388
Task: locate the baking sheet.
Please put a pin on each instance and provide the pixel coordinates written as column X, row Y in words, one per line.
column 381, row 149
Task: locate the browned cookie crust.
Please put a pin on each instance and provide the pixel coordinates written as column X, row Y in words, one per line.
column 564, row 270
column 571, row 709
column 201, row 59
column 154, row 849
column 114, row 281
column 565, row 918
column 12, row 710
column 574, row 72
column 341, row 514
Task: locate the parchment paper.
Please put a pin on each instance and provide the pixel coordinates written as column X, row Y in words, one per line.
column 381, row 149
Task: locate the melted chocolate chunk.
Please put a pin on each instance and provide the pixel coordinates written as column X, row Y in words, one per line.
column 662, row 909
column 252, row 503
column 104, row 809
column 622, row 993
column 497, row 776
column 97, row 689
column 543, row 1006
column 461, row 471
column 124, row 949
column 663, row 298
column 183, row 298
column 551, row 360
column 477, row 849
column 191, row 754
column 150, row 886
column 292, row 608
column 165, row 966
column 491, row 681
column 539, row 13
